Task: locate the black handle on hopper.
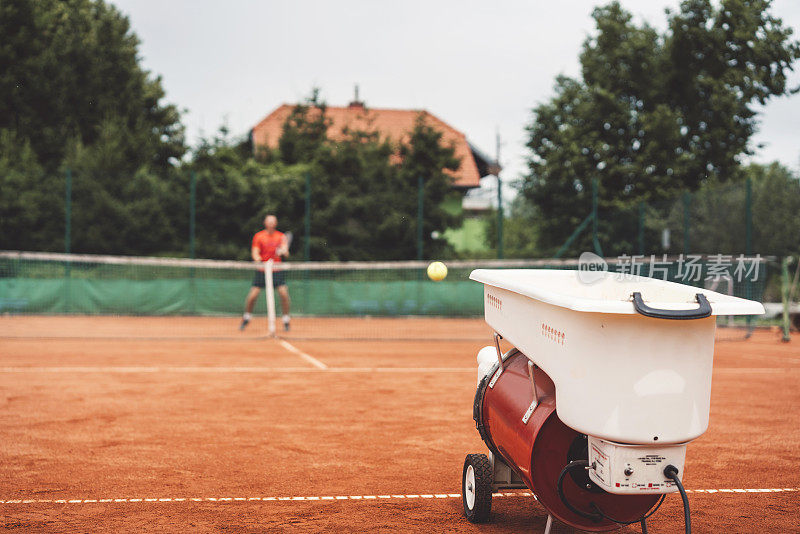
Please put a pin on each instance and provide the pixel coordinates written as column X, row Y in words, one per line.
column 704, row 310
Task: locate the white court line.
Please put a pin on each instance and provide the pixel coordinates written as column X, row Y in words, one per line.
column 421, row 496
column 310, row 359
column 244, row 369
column 768, row 357
column 222, row 370
column 756, row 370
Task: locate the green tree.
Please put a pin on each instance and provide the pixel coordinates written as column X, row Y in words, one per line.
column 349, row 182
column 305, row 131
column 31, row 200
column 776, row 205
column 717, row 215
column 74, row 95
column 424, row 155
column 652, row 114
column 66, row 67
column 520, row 237
column 365, row 189
column 120, row 207
column 234, row 193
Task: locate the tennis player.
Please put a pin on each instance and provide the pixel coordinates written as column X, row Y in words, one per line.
column 268, row 244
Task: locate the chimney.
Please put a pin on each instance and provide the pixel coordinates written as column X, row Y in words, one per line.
column 356, row 103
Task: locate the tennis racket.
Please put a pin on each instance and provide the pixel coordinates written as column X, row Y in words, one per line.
column 289, row 236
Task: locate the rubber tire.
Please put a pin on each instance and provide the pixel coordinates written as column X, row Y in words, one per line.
column 483, row 488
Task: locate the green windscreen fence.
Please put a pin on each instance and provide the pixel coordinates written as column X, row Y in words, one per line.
column 207, row 296
column 163, row 288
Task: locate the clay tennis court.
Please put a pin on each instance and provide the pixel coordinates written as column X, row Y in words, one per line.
column 105, row 431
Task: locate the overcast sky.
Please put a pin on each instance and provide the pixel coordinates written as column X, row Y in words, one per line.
column 480, row 66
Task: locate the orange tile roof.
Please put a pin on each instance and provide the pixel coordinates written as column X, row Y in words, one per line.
column 393, row 124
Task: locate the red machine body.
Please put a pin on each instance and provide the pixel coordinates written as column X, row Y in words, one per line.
column 540, row 447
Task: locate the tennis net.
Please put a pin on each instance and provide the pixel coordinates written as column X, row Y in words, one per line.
column 87, row 296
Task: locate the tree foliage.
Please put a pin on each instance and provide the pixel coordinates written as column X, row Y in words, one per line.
column 718, row 213
column 519, row 235
column 305, row 131
column 776, row 205
column 365, row 188
column 74, row 96
column 31, row 200
column 653, row 113
column 67, row 67
column 235, row 192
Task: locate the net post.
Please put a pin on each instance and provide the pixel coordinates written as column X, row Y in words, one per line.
column 270, row 294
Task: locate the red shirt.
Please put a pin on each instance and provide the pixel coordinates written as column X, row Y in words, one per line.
column 267, row 244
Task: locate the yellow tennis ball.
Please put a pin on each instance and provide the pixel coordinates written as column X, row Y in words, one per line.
column 437, row 271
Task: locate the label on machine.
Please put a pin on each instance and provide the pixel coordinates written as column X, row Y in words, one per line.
column 624, row 469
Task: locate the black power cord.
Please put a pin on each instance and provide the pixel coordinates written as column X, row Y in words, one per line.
column 596, row 515
column 640, row 520
column 672, row 472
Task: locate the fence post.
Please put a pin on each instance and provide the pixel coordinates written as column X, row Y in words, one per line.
column 192, row 202
column 420, row 207
column 748, row 240
column 595, row 241
column 307, row 221
column 748, row 218
column 192, row 231
column 499, row 218
column 68, row 211
column 687, row 199
column 68, row 239
column 307, row 241
column 641, row 228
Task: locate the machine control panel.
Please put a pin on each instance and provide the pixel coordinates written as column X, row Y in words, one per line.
column 625, row 469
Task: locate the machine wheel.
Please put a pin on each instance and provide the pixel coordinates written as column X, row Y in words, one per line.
column 476, row 488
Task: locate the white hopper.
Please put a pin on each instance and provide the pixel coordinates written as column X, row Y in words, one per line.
column 619, row 375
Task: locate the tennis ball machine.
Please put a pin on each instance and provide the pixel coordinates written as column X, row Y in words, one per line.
column 594, row 406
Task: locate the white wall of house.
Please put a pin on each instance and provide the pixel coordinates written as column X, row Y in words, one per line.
column 484, row 198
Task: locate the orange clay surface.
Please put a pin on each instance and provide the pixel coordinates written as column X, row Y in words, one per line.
column 121, row 327
column 218, row 435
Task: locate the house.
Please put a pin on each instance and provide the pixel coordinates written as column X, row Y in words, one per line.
column 392, row 124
